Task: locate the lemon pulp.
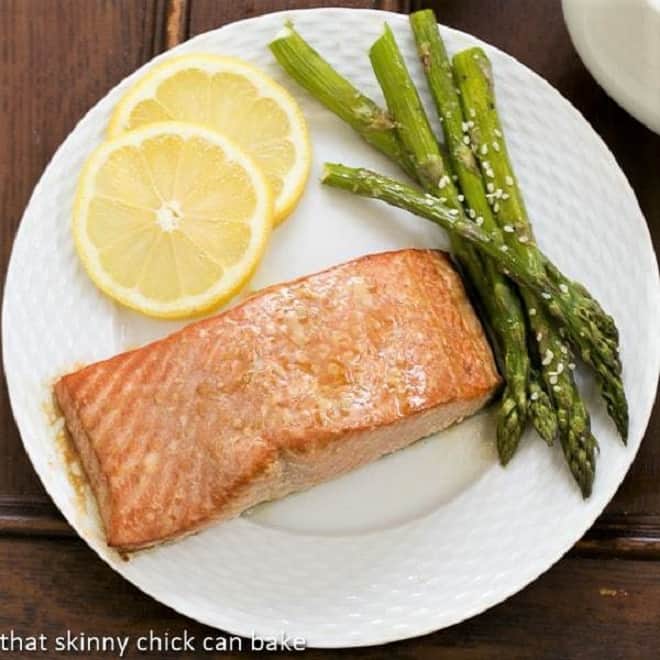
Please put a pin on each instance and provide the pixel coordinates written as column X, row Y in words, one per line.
column 171, row 219
column 237, row 100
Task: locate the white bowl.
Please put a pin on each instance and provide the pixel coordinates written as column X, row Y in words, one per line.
column 619, row 42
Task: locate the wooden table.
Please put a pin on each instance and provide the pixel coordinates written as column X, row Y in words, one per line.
column 57, row 58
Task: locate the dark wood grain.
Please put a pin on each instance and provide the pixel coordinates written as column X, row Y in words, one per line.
column 57, row 58
column 208, row 14
column 585, row 608
column 31, row 517
column 177, row 17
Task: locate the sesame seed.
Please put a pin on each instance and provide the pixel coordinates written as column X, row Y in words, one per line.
column 470, row 123
column 539, row 336
column 465, row 126
column 443, row 199
column 523, row 239
column 484, row 149
column 473, row 112
column 497, row 132
column 466, row 139
column 508, row 180
column 508, row 229
column 546, row 295
column 571, row 366
column 532, row 311
column 490, row 174
column 472, row 213
column 479, row 221
column 475, row 56
column 533, row 396
column 564, row 349
column 453, row 212
column 563, row 288
column 560, row 367
column 490, row 187
column 505, row 195
column 553, row 380
column 496, row 207
column 547, row 358
column 461, row 198
column 556, row 388
column 496, row 146
column 504, row 248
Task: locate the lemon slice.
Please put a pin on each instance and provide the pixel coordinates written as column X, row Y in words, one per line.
column 234, row 98
column 171, row 219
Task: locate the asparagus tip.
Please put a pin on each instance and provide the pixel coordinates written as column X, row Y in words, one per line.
column 510, row 426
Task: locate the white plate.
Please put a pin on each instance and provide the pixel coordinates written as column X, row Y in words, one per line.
column 422, row 539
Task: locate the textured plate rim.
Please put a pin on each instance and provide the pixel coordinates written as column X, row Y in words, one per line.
column 230, row 624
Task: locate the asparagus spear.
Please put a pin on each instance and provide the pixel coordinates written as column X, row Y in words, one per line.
column 473, row 72
column 577, row 442
column 437, row 68
column 502, row 306
column 474, row 76
column 313, row 73
column 564, row 396
column 505, row 315
column 574, row 423
column 337, row 94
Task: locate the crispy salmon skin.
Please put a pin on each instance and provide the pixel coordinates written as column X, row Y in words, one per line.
column 298, row 384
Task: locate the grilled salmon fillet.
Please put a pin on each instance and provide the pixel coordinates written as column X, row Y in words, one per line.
column 298, row 384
